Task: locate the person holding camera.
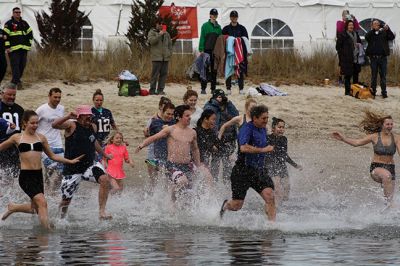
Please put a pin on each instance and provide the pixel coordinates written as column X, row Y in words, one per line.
column 340, row 24
column 161, row 52
column 378, row 50
column 348, row 47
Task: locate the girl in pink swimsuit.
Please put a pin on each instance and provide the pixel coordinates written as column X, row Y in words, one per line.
column 114, row 167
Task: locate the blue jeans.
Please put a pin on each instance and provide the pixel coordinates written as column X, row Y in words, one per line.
column 48, row 163
column 378, row 63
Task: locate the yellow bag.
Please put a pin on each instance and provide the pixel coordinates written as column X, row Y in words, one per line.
column 361, row 92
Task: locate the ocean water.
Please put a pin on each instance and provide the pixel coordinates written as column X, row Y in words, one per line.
column 335, row 215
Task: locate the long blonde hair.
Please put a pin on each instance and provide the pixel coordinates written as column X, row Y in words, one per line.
column 249, row 101
column 373, row 122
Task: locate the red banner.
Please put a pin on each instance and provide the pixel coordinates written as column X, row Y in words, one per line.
column 185, row 17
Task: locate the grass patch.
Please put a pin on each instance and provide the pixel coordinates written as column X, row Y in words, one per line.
column 273, row 66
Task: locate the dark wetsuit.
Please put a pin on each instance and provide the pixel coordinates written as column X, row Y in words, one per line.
column 380, row 149
column 31, row 181
column 206, row 140
column 276, row 160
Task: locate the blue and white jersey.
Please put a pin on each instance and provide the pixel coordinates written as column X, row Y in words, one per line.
column 104, row 121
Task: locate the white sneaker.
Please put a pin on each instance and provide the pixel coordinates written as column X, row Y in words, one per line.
column 241, row 92
column 228, row 92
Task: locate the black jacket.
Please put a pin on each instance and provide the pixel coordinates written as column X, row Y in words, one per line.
column 235, row 31
column 19, row 35
column 345, row 47
column 2, row 49
column 378, row 40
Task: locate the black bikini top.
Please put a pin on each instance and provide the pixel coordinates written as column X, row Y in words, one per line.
column 380, row 149
column 25, row 147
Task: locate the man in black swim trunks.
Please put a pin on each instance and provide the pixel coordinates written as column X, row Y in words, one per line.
column 249, row 170
column 12, row 113
column 80, row 139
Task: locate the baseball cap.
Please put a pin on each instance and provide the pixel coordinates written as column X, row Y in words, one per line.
column 83, row 110
column 214, row 12
column 234, row 14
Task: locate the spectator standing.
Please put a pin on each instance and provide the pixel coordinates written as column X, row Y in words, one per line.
column 348, row 45
column 160, row 51
column 346, row 16
column 19, row 39
column 3, row 61
column 378, row 50
column 208, row 37
column 236, row 30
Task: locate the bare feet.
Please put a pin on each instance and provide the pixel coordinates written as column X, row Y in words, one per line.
column 104, row 216
column 7, row 213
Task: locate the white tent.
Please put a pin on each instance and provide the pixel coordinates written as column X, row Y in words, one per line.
column 270, row 23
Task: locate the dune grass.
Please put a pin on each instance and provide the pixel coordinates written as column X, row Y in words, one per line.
column 274, row 66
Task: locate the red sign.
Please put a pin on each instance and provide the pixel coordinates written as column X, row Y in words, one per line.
column 185, row 17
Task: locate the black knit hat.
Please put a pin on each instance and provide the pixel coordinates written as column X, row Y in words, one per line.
column 218, row 92
column 234, row 14
column 214, row 12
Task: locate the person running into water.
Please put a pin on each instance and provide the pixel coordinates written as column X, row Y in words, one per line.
column 240, row 119
column 206, row 136
column 160, row 146
column 6, row 129
column 151, row 160
column 30, row 145
column 249, row 170
column 190, row 98
column 385, row 143
column 276, row 160
column 225, row 111
column 47, row 113
column 114, row 166
column 182, row 148
column 103, row 119
column 12, row 113
column 80, row 138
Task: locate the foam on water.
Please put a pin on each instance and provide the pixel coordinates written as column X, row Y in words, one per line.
column 334, row 193
column 309, row 211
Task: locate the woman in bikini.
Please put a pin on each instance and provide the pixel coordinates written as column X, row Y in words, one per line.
column 385, row 143
column 30, row 145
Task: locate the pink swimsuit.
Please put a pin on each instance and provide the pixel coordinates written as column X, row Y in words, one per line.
column 115, row 165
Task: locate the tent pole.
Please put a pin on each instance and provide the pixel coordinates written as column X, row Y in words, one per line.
column 324, row 14
column 119, row 18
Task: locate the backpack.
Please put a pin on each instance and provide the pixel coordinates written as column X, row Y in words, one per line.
column 361, row 91
column 129, row 88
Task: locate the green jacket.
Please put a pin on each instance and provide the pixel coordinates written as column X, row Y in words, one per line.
column 207, row 28
column 160, row 45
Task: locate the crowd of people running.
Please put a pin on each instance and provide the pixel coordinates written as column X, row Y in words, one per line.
column 184, row 143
